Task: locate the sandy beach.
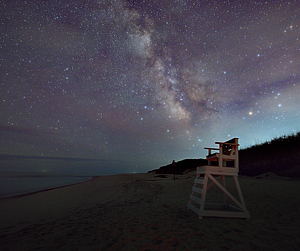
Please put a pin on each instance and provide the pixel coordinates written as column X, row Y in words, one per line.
column 148, row 212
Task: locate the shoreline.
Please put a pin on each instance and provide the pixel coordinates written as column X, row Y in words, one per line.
column 21, row 194
column 51, row 202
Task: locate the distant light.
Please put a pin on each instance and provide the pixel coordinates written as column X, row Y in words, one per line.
column 250, row 113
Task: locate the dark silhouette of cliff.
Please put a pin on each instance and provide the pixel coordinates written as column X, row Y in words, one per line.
column 181, row 166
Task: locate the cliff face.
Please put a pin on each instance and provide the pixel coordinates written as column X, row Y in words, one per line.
column 181, row 166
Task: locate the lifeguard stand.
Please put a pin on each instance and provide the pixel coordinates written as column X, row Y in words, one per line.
column 222, row 165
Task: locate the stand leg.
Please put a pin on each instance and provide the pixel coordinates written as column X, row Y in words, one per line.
column 226, row 205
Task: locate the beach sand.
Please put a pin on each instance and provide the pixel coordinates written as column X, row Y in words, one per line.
column 144, row 212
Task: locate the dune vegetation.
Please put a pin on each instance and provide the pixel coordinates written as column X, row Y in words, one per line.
column 281, row 155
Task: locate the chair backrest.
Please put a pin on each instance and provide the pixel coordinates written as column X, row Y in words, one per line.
column 227, row 149
column 230, row 149
column 230, row 160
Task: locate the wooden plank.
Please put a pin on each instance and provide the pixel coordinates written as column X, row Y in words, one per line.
column 198, row 181
column 237, row 185
column 224, row 214
column 193, row 208
column 203, row 195
column 228, row 171
column 195, row 198
column 211, row 148
column 204, row 169
column 220, row 213
column 197, row 189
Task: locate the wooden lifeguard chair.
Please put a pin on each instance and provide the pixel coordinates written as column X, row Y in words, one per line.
column 222, row 165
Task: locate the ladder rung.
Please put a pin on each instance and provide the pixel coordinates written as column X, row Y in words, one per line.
column 193, row 208
column 195, row 198
column 197, row 189
column 198, row 181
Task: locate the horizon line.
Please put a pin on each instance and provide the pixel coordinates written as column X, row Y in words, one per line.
column 14, row 156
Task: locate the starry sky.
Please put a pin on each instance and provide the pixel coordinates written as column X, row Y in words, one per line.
column 128, row 86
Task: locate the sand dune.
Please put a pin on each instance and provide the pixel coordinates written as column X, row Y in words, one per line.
column 144, row 212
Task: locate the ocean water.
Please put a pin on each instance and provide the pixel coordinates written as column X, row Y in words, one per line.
column 20, row 185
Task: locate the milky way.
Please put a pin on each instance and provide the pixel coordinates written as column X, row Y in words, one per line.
column 137, row 84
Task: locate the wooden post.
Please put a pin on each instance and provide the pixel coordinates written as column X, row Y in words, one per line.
column 174, row 165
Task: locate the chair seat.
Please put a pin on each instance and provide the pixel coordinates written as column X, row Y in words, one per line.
column 213, row 157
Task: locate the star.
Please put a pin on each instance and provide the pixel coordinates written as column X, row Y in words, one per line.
column 141, row 83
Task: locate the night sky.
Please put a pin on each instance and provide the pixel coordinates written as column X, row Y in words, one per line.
column 126, row 86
